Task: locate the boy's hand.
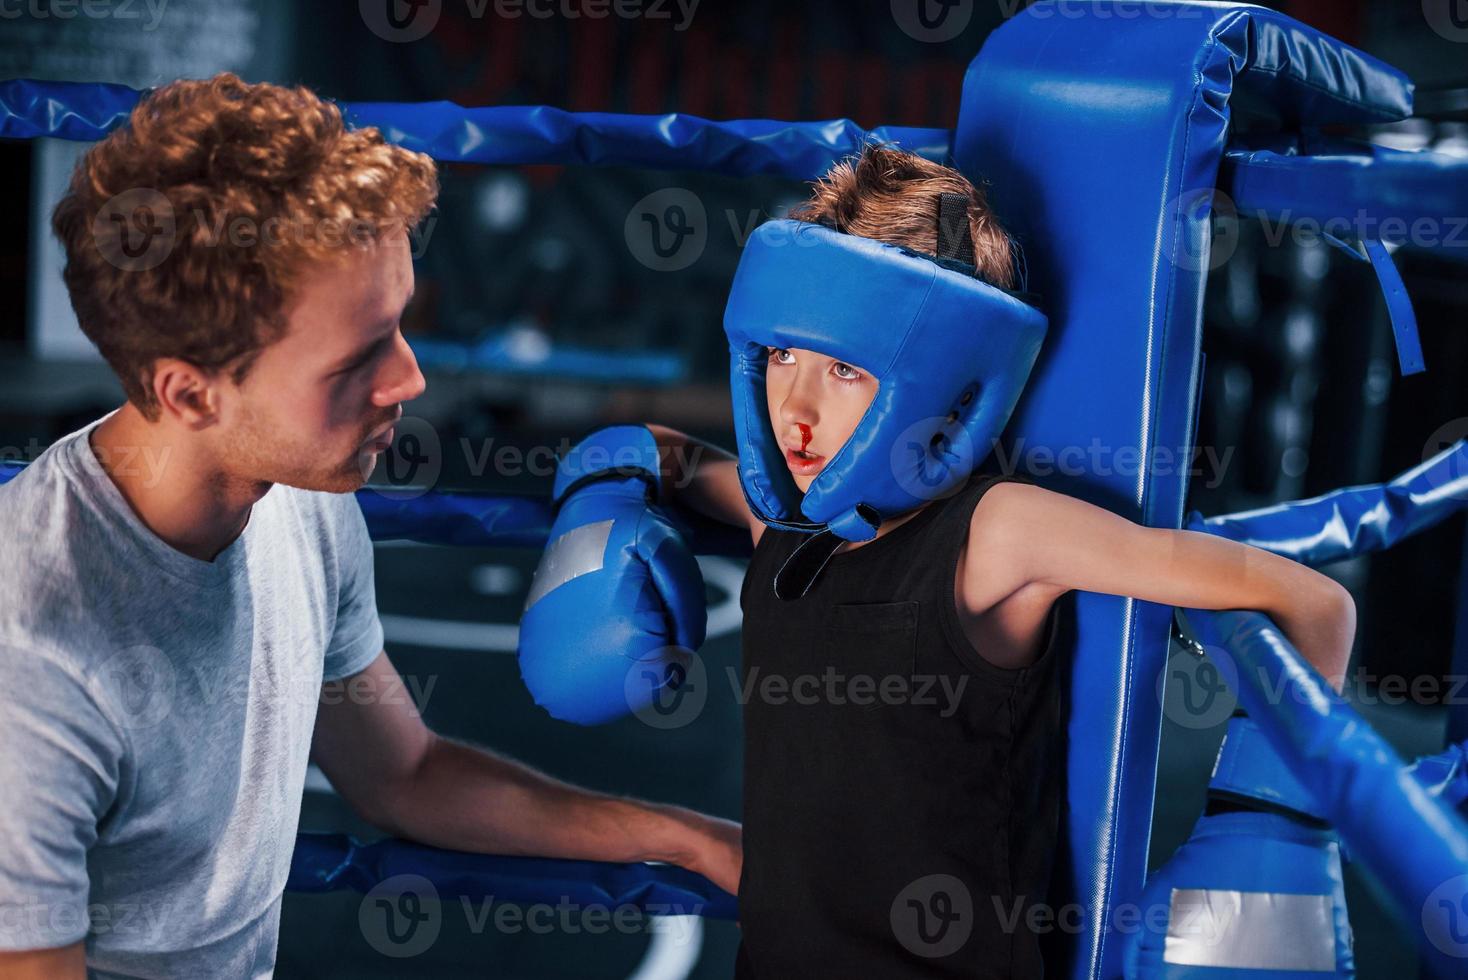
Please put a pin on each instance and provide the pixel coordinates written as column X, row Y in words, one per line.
column 616, row 608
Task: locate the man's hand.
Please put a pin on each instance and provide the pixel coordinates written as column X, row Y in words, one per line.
column 716, row 850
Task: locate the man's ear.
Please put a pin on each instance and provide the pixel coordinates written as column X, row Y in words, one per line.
column 186, row 392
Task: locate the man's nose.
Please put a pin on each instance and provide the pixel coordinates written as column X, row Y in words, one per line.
column 404, row 381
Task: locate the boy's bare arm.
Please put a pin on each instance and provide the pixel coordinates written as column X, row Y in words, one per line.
column 701, row 477
column 1026, row 536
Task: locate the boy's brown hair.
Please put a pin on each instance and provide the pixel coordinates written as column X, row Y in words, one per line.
column 188, row 230
column 891, row 196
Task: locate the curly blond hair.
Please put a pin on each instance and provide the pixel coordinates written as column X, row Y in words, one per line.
column 188, row 230
column 891, row 196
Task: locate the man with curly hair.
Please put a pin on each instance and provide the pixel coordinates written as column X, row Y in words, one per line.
column 187, row 612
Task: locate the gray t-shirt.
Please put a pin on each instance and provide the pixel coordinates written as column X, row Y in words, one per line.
column 156, row 715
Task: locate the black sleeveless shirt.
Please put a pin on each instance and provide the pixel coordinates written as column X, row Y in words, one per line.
column 901, row 793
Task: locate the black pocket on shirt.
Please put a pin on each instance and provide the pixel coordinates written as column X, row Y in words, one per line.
column 872, row 646
column 874, row 616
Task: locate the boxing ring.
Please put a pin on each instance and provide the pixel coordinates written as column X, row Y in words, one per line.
column 1105, row 138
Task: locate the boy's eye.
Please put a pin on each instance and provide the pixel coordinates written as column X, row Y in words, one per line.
column 844, row 372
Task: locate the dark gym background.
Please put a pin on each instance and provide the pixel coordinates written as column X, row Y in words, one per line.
column 1302, row 389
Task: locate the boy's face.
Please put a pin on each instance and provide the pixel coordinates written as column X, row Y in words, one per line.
column 816, row 402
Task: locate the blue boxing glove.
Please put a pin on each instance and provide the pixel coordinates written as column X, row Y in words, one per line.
column 1257, row 891
column 616, row 607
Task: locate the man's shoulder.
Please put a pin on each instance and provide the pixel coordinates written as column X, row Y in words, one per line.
column 43, row 514
column 44, row 500
column 34, row 485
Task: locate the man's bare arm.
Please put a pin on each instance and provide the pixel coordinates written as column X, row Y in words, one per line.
column 372, row 744
column 62, row 963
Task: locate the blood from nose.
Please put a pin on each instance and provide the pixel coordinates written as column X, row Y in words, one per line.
column 804, row 435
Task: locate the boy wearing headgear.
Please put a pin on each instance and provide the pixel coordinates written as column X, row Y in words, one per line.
column 901, row 609
column 909, row 782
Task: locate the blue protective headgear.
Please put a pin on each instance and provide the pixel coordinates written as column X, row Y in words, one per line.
column 950, row 353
